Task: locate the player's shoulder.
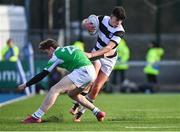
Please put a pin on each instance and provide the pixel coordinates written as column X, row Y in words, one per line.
column 103, row 17
column 119, row 31
column 58, row 51
column 120, row 28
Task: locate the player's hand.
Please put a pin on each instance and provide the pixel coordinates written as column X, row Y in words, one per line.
column 88, row 26
column 110, row 53
column 89, row 55
column 21, row 87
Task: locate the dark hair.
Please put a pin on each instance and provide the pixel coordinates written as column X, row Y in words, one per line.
column 46, row 44
column 119, row 13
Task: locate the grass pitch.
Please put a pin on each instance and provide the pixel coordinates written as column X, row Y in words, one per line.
column 129, row 112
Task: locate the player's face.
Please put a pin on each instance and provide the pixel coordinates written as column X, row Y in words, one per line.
column 115, row 22
column 49, row 52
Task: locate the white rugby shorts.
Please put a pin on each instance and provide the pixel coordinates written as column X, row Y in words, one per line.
column 83, row 76
column 107, row 64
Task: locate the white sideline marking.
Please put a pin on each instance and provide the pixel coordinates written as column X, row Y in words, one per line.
column 15, row 100
column 144, row 127
column 141, row 110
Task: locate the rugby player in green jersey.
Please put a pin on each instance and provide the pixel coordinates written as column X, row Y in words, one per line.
column 81, row 73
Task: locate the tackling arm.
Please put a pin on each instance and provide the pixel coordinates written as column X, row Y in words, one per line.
column 37, row 78
column 102, row 51
column 34, row 80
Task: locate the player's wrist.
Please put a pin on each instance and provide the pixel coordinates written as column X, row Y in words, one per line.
column 27, row 84
column 92, row 55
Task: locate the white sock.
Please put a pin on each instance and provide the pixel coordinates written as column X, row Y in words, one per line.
column 38, row 114
column 95, row 111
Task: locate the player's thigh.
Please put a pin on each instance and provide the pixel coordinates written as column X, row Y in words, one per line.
column 107, row 65
column 101, row 79
column 97, row 66
column 64, row 85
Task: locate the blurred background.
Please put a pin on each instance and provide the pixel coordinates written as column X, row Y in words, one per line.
column 27, row 22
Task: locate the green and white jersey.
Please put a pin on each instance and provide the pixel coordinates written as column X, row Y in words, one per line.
column 68, row 57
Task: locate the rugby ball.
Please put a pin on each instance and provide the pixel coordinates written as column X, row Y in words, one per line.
column 95, row 21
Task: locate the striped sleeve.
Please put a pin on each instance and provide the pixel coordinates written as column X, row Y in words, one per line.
column 119, row 34
column 117, row 37
column 100, row 18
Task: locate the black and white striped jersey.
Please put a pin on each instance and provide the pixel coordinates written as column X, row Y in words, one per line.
column 108, row 33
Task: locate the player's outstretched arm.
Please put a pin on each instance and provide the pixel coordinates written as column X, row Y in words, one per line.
column 34, row 80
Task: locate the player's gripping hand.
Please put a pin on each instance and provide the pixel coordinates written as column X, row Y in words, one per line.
column 21, row 87
column 89, row 55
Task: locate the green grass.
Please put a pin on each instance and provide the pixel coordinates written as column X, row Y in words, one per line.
column 129, row 112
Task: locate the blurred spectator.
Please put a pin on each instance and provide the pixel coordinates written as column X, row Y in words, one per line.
column 152, row 68
column 121, row 64
column 79, row 44
column 10, row 51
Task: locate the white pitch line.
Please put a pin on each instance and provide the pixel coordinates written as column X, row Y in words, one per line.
column 153, row 127
column 15, row 100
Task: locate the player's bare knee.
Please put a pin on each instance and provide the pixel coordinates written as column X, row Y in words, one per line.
column 55, row 90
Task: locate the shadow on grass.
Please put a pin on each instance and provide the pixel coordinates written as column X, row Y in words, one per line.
column 54, row 119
